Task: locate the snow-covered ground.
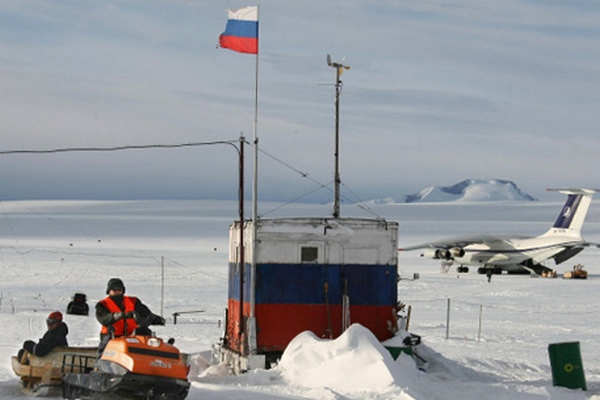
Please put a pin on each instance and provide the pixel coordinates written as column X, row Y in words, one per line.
column 50, row 250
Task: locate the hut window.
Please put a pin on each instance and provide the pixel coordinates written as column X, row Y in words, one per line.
column 309, row 254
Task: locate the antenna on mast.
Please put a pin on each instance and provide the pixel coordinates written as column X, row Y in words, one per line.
column 339, row 69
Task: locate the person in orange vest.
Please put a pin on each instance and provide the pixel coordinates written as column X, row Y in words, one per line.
column 122, row 315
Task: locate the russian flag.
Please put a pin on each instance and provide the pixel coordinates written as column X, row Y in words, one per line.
column 241, row 32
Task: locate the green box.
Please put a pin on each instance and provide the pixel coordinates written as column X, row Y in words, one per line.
column 567, row 367
column 396, row 351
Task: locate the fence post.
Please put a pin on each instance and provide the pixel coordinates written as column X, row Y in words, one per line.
column 480, row 313
column 448, row 320
column 162, row 285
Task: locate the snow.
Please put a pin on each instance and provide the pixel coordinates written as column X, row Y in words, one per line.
column 353, row 361
column 304, row 227
column 50, row 250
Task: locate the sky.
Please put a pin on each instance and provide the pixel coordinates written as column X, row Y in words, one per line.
column 437, row 92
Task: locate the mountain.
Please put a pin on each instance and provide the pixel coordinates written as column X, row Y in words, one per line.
column 467, row 190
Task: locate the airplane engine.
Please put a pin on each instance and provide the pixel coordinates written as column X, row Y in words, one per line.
column 444, row 254
column 431, row 253
column 457, row 252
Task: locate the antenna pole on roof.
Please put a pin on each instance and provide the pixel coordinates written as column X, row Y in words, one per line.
column 339, row 69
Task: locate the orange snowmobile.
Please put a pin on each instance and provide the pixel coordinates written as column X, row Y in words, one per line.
column 131, row 367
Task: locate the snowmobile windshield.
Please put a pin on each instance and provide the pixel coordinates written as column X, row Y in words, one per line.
column 111, row 367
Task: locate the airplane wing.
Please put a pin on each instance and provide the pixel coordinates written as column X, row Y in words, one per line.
column 590, row 244
column 459, row 241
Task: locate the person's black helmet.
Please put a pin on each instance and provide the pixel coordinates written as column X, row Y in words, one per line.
column 114, row 284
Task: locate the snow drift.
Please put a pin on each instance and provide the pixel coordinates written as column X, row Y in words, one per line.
column 355, row 360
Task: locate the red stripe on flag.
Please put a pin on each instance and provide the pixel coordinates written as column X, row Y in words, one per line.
column 239, row 44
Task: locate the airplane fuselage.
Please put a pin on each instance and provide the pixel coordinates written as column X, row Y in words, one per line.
column 516, row 251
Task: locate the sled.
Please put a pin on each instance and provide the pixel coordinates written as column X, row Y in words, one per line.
column 39, row 374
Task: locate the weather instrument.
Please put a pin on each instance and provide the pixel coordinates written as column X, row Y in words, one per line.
column 339, row 69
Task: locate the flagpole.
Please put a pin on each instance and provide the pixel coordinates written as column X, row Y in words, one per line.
column 255, row 137
column 240, row 36
column 255, row 190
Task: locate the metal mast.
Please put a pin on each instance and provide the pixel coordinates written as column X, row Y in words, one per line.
column 339, row 69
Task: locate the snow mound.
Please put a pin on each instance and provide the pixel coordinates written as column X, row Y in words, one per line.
column 353, row 361
column 471, row 190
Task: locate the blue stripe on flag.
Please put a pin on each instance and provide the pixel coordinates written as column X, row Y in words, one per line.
column 244, row 29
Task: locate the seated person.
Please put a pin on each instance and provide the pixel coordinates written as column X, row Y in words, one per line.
column 56, row 335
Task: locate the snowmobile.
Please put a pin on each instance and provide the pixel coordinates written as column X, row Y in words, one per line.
column 78, row 305
column 131, row 367
column 39, row 374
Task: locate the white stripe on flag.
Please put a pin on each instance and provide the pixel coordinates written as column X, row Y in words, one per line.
column 244, row 14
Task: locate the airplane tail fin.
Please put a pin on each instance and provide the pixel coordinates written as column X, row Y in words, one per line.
column 573, row 213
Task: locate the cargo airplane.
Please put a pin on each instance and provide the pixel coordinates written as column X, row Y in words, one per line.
column 494, row 254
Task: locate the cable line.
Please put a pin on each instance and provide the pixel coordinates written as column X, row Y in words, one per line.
column 120, row 148
column 232, row 143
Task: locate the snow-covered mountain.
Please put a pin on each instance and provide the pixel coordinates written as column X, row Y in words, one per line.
column 469, row 190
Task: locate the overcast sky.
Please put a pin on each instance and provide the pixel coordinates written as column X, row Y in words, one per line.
column 438, row 91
